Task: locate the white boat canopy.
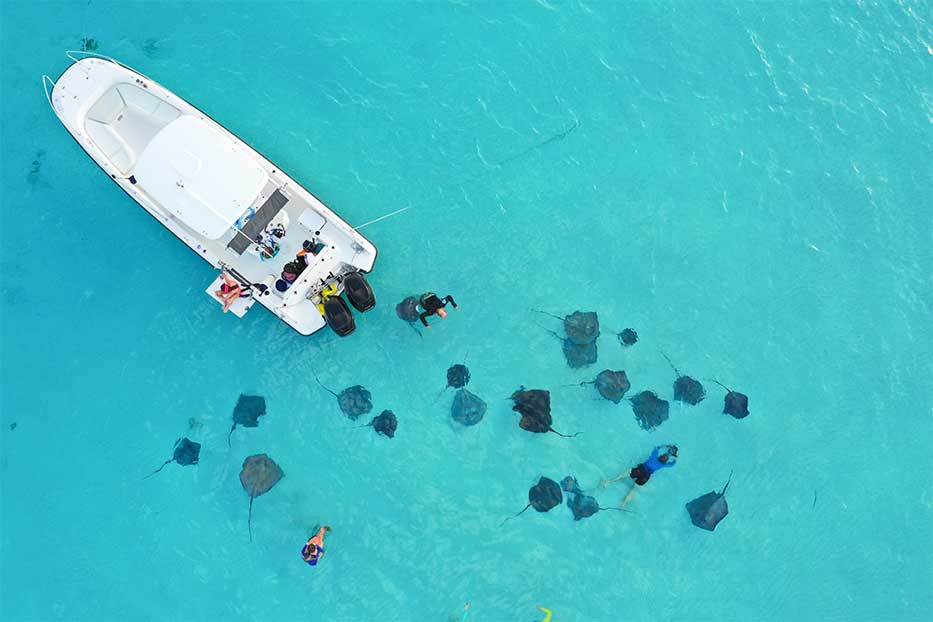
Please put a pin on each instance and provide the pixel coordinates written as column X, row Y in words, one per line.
column 207, row 180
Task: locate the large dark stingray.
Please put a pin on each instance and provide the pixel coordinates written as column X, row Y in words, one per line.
column 628, row 337
column 467, row 408
column 248, row 410
column 543, row 496
column 186, row 452
column 354, row 401
column 686, row 389
column 650, row 410
column 407, row 310
column 258, row 475
column 612, row 385
column 706, row 511
column 458, row 376
column 579, row 355
column 736, row 404
column 584, row 506
column 582, row 329
column 385, row 423
column 534, row 405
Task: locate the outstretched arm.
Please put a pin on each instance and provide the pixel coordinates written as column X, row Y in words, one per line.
column 450, row 299
column 424, row 314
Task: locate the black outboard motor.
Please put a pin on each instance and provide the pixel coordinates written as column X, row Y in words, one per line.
column 338, row 316
column 359, row 292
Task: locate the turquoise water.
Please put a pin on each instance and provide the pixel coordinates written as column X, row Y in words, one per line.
column 747, row 185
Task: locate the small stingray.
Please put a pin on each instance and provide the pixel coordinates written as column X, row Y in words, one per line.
column 736, row 404
column 578, row 355
column 458, row 376
column 612, row 385
column 628, row 337
column 543, row 496
column 88, row 44
column 151, row 48
column 706, row 511
column 407, row 310
column 584, row 506
column 186, row 452
column 259, row 474
column 650, row 410
column 354, row 401
column 569, row 484
column 686, row 389
column 534, row 405
column 467, row 409
column 385, row 423
column 248, row 410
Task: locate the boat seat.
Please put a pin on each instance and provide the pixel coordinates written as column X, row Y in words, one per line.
column 111, row 144
column 124, row 120
column 107, row 108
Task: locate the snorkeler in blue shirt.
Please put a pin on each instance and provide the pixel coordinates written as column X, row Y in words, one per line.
column 662, row 457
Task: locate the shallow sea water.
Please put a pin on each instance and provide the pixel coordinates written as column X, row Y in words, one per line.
column 747, row 185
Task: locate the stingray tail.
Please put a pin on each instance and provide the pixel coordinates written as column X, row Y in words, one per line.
column 719, row 383
column 414, row 328
column 729, row 481
column 514, row 515
column 249, row 521
column 322, row 384
column 157, row 470
column 667, row 358
column 619, row 509
column 564, row 435
column 230, row 433
column 547, row 314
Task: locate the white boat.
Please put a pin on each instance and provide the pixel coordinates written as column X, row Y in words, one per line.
column 219, row 196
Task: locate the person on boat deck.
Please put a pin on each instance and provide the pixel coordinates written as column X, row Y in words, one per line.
column 662, row 457
column 313, row 549
column 229, row 291
column 430, row 304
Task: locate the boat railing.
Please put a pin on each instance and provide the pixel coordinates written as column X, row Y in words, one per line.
column 83, row 53
column 46, row 80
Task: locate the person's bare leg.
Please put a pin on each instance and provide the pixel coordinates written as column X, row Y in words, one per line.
column 628, row 498
column 606, row 482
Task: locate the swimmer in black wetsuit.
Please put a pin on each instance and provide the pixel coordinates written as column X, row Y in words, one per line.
column 430, row 304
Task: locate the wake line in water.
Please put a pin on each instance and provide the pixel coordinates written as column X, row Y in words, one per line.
column 490, row 165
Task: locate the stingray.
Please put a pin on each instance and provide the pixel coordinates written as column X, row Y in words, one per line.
column 248, row 410
column 88, row 44
column 612, row 385
column 578, row 355
column 534, row 405
column 354, row 401
column 570, row 484
column 458, row 376
column 581, row 327
column 385, row 423
column 628, row 337
column 259, row 474
column 584, row 506
column 686, row 389
column 706, row 511
column 543, row 496
column 186, row 452
column 407, row 310
column 467, row 409
column 650, row 410
column 736, row 404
